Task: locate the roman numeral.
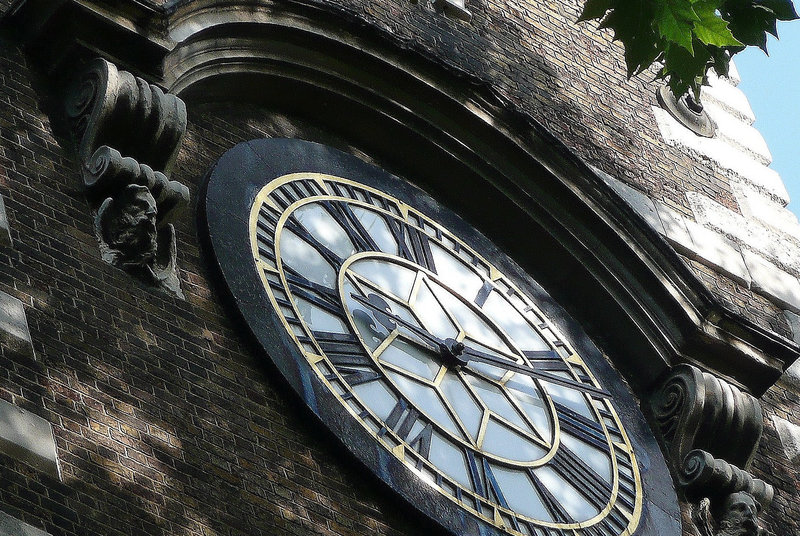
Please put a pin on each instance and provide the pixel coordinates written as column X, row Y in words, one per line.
column 627, row 486
column 574, row 470
column 355, row 376
column 347, row 354
column 483, row 480
column 321, row 296
column 402, row 420
column 293, row 225
column 550, row 503
column 483, row 294
column 546, row 360
column 342, row 349
column 579, row 426
column 345, row 217
column 570, row 383
column 412, row 244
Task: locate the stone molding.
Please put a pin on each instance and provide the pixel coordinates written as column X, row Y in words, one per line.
column 14, row 333
column 115, row 108
column 28, row 438
column 694, row 409
column 710, row 431
column 5, row 228
column 128, row 134
column 11, row 526
column 711, row 247
column 789, row 435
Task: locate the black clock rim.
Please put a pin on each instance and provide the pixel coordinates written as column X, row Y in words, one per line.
column 226, row 200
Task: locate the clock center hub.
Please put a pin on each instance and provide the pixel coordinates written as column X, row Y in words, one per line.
column 452, row 353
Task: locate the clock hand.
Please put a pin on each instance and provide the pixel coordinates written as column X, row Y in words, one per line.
column 482, row 357
column 456, row 353
column 449, row 349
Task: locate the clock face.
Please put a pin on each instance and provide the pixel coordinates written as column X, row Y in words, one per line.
column 428, row 360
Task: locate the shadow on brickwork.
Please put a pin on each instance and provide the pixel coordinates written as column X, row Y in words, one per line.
column 567, row 76
column 772, row 464
column 165, row 423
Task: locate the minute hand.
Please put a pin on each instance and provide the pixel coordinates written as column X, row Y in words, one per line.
column 470, row 354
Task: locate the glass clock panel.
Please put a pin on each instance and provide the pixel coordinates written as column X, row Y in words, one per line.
column 429, row 355
column 442, row 359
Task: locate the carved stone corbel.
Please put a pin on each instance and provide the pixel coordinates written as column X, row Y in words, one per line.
column 128, row 134
column 710, row 431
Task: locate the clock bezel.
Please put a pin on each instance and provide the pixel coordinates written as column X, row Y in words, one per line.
column 230, row 192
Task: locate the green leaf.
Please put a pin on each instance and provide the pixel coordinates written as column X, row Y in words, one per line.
column 783, row 9
column 688, row 36
column 594, row 9
column 748, row 22
column 683, row 70
column 632, row 22
column 674, row 20
column 721, row 59
column 711, row 29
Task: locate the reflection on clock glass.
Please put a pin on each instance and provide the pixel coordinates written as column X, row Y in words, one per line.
column 447, row 364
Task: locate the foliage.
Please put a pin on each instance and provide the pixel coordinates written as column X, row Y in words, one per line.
column 687, row 37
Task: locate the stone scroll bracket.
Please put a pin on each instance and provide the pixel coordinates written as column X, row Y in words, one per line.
column 128, row 133
column 710, row 431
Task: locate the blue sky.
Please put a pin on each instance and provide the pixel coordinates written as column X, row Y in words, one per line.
column 772, row 85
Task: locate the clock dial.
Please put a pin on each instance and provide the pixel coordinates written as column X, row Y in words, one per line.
column 442, row 360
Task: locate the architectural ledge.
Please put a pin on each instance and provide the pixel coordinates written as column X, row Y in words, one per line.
column 11, row 526
column 789, row 435
column 14, row 333
column 714, row 249
column 28, row 438
column 5, row 229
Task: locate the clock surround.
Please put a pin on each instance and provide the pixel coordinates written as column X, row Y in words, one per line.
column 235, row 191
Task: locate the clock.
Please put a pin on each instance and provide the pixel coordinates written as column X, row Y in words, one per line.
column 434, row 359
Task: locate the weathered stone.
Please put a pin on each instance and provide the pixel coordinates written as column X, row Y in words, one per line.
column 757, row 205
column 111, row 107
column 768, row 279
column 736, row 515
column 702, row 475
column 5, row 228
column 770, row 242
column 674, row 228
column 14, row 333
column 126, row 226
column 108, row 172
column 113, row 112
column 721, row 92
column 727, row 158
column 710, row 247
column 642, row 204
column 739, row 134
column 696, row 410
column 789, row 434
column 11, row 526
column 27, row 437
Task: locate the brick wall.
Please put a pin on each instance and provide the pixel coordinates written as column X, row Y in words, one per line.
column 166, row 420
column 773, row 465
column 567, row 75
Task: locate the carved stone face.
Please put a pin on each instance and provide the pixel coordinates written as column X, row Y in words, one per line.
column 740, row 516
column 132, row 228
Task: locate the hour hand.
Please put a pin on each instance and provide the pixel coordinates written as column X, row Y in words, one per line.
column 451, row 351
column 382, row 313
